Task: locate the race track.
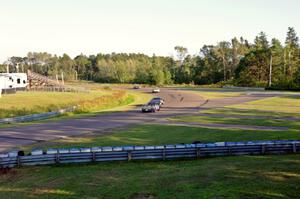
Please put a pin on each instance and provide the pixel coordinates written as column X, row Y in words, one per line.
column 177, row 102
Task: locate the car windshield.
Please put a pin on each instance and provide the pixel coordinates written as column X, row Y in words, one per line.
column 152, row 103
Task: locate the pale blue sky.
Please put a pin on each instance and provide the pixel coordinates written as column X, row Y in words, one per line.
column 146, row 26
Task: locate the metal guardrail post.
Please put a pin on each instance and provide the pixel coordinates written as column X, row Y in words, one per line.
column 263, row 149
column 164, row 153
column 294, row 148
column 229, row 150
column 129, row 156
column 18, row 161
column 198, row 151
column 93, row 157
column 57, row 158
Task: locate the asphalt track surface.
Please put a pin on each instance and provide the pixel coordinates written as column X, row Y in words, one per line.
column 177, row 102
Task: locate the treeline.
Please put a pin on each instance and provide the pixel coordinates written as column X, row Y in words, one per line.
column 267, row 63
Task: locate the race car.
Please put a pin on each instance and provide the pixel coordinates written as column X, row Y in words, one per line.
column 158, row 100
column 150, row 107
column 156, row 90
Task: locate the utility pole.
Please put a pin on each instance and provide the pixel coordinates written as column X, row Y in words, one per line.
column 270, row 71
column 62, row 78
column 17, row 67
column 76, row 75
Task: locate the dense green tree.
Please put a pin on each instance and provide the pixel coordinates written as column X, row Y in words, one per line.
column 238, row 62
column 223, row 51
column 276, row 65
column 82, row 66
column 291, row 49
column 181, row 52
column 261, row 42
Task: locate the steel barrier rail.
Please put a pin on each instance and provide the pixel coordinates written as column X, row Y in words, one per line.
column 128, row 153
column 35, row 117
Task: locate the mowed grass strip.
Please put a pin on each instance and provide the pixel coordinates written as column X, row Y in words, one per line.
column 230, row 119
column 284, row 104
column 23, row 103
column 234, row 111
column 164, row 134
column 276, row 111
column 224, row 177
column 215, row 94
column 26, row 103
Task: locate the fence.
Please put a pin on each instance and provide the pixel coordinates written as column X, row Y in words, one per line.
column 58, row 89
column 128, row 153
column 35, row 117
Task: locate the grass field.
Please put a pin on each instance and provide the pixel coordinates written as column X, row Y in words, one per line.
column 228, row 177
column 284, row 104
column 223, row 177
column 163, row 134
column 215, row 94
column 23, row 103
column 229, row 119
column 243, row 177
column 100, row 98
column 275, row 111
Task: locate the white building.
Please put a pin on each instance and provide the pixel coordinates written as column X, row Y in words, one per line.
column 13, row 81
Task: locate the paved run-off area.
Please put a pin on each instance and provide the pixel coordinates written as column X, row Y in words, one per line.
column 178, row 102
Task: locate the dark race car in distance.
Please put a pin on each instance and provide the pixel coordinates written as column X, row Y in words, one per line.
column 136, row 86
column 158, row 100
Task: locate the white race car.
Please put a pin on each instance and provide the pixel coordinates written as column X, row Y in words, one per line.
column 156, row 90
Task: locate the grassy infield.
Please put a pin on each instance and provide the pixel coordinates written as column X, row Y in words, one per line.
column 228, row 177
column 25, row 103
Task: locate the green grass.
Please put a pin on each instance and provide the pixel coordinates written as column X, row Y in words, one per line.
column 224, row 177
column 234, row 111
column 26, row 103
column 217, row 95
column 276, row 111
column 214, row 93
column 285, row 104
column 230, row 119
column 163, row 134
column 23, row 103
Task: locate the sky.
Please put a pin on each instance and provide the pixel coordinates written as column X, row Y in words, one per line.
column 137, row 26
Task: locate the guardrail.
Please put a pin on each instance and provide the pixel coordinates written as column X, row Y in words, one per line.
column 58, row 89
column 162, row 152
column 244, row 88
column 35, row 117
